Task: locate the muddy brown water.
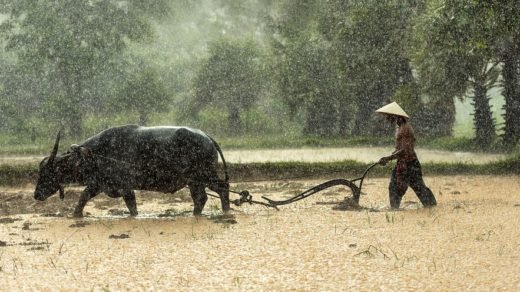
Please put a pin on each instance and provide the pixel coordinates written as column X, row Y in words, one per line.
column 470, row 241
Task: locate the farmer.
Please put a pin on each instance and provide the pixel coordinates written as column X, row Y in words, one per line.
column 407, row 171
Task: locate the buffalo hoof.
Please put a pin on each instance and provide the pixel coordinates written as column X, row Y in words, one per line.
column 228, row 210
column 77, row 215
column 228, row 214
column 197, row 213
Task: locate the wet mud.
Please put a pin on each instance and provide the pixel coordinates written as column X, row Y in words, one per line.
column 470, row 241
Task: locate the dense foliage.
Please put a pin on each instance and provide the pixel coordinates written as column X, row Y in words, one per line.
column 70, row 51
column 227, row 79
column 317, row 68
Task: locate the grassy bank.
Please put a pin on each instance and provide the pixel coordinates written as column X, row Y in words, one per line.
column 13, row 175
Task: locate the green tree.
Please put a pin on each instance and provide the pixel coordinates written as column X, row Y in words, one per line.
column 309, row 84
column 456, row 58
column 371, row 44
column 331, row 17
column 305, row 73
column 143, row 93
column 69, row 44
column 229, row 78
column 182, row 40
column 504, row 19
column 16, row 105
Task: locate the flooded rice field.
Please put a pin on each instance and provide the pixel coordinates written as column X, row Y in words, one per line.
column 362, row 154
column 470, row 241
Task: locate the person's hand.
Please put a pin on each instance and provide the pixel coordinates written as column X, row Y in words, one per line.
column 383, row 160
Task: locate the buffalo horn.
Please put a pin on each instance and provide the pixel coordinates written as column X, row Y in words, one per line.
column 55, row 149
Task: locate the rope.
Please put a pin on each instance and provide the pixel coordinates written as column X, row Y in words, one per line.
column 246, row 197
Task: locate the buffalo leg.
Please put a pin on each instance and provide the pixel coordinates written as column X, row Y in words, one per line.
column 199, row 196
column 222, row 189
column 113, row 193
column 88, row 193
column 129, row 197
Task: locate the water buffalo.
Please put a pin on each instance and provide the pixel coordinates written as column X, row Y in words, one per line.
column 122, row 159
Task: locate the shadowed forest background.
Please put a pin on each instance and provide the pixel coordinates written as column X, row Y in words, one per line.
column 261, row 68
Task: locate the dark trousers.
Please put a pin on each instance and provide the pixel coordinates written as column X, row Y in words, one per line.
column 411, row 176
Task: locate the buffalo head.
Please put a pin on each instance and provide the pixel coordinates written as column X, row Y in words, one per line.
column 56, row 170
column 49, row 176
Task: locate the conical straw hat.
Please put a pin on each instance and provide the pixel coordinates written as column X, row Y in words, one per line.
column 392, row 109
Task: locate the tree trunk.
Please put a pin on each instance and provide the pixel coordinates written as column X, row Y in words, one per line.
column 483, row 118
column 368, row 100
column 445, row 117
column 234, row 123
column 321, row 117
column 75, row 124
column 511, row 94
column 71, row 103
column 143, row 119
column 344, row 120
